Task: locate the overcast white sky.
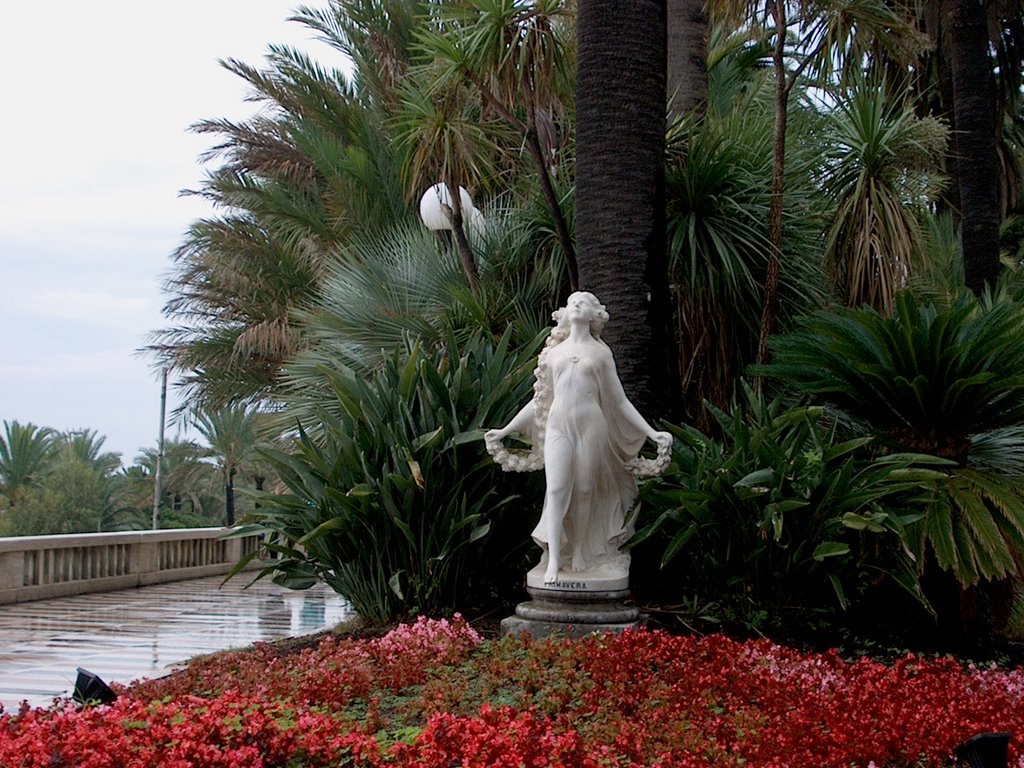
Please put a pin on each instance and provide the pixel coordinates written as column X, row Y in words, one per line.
column 97, row 99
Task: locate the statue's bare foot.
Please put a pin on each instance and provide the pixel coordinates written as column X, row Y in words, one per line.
column 578, row 563
column 551, row 574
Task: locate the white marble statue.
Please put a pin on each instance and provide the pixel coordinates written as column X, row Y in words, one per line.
column 586, row 435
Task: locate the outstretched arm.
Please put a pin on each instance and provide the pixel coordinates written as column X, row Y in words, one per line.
column 522, row 423
column 612, row 388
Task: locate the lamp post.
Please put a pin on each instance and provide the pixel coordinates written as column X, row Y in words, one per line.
column 157, row 485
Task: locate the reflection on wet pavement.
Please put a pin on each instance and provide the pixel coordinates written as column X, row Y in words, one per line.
column 122, row 636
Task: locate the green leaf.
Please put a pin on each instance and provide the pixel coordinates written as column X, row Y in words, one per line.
column 758, row 477
column 479, row 532
column 873, row 522
column 395, row 584
column 830, row 549
column 678, row 542
column 430, row 439
column 837, row 587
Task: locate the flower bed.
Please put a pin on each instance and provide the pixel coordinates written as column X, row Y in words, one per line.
column 434, row 694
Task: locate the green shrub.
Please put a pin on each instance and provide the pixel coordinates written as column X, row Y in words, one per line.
column 779, row 517
column 396, row 504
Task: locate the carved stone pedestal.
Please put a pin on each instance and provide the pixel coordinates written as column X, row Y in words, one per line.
column 571, row 612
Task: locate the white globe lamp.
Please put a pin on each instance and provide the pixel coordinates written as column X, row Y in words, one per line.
column 432, row 214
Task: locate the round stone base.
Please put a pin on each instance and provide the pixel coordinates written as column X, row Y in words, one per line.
column 514, row 625
column 573, row 614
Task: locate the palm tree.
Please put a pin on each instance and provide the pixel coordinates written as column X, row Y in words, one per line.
column 26, row 452
column 718, row 177
column 971, row 72
column 442, row 127
column 377, row 36
column 835, row 34
column 313, row 167
column 403, row 285
column 884, row 170
column 620, row 192
column 233, row 293
column 186, row 477
column 232, row 436
column 74, row 497
column 86, row 445
column 966, row 43
column 132, row 498
column 687, row 47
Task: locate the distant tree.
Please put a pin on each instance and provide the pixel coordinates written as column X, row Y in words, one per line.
column 87, row 445
column 190, row 496
column 73, row 498
column 26, row 452
column 233, row 438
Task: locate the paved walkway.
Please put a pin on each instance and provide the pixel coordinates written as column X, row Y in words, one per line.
column 145, row 632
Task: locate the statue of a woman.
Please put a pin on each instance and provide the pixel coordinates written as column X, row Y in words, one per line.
column 587, row 436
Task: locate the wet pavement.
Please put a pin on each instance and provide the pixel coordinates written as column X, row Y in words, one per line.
column 146, row 632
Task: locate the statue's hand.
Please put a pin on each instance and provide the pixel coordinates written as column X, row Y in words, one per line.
column 662, row 439
column 495, row 435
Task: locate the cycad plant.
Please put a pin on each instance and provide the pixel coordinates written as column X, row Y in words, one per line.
column 394, row 502
column 941, row 381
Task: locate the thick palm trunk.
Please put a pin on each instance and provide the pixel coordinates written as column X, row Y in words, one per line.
column 687, row 36
column 620, row 188
column 967, row 49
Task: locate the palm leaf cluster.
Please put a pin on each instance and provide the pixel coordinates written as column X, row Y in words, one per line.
column 882, row 174
column 304, row 174
column 25, row 452
column 55, row 482
column 338, row 156
column 403, row 283
column 718, row 199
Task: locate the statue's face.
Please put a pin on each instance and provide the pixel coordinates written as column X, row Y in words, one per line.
column 581, row 305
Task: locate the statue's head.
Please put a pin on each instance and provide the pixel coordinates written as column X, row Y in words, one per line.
column 580, row 304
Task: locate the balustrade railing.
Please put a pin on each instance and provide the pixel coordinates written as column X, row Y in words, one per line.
column 36, row 567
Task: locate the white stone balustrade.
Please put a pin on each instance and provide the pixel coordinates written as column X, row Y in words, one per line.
column 37, row 567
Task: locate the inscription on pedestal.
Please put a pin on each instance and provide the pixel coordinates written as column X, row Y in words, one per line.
column 580, row 585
